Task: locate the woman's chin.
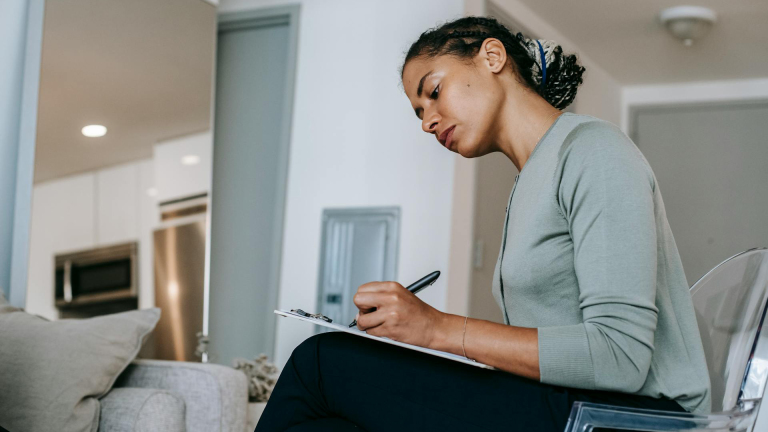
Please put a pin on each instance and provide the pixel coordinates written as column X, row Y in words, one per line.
column 465, row 151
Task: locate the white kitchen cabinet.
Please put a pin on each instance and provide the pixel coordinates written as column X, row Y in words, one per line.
column 173, row 178
column 117, row 204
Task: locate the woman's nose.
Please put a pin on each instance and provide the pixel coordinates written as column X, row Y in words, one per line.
column 429, row 125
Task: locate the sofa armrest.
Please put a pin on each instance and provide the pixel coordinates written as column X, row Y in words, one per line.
column 134, row 409
column 216, row 397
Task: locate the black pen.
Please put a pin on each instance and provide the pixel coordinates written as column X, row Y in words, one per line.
column 416, row 286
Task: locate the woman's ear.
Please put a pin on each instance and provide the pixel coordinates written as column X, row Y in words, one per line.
column 493, row 55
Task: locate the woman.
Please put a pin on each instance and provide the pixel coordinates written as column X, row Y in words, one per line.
column 595, row 302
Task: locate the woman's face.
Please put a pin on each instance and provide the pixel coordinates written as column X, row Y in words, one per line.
column 459, row 102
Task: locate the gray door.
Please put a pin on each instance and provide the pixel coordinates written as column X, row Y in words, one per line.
column 710, row 163
column 253, row 92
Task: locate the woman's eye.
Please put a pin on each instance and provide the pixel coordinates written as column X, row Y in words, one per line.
column 434, row 93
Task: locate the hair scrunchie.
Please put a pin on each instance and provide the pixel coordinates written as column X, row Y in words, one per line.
column 542, row 52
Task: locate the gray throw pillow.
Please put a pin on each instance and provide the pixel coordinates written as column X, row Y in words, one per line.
column 52, row 372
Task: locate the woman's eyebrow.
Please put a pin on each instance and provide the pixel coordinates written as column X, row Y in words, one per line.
column 421, row 83
column 419, row 90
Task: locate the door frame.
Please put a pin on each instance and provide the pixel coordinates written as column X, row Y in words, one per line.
column 248, row 19
column 635, row 110
column 25, row 159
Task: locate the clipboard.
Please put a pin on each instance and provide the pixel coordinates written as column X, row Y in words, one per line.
column 358, row 332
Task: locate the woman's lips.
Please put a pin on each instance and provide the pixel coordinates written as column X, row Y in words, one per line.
column 449, row 137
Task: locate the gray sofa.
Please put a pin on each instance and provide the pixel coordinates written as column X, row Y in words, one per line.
column 157, row 395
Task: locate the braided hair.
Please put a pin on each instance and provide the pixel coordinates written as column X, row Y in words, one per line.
column 540, row 64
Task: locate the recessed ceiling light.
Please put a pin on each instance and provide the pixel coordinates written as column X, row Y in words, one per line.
column 94, row 131
column 190, row 160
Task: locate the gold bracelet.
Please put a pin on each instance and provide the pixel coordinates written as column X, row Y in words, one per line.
column 463, row 336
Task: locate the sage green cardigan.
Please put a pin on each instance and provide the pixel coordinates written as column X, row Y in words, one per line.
column 588, row 258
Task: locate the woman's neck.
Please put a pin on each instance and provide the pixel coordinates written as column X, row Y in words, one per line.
column 522, row 121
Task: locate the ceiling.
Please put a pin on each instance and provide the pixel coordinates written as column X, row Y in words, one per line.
column 142, row 68
column 626, row 39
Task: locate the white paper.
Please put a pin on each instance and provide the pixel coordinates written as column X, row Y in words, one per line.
column 358, row 332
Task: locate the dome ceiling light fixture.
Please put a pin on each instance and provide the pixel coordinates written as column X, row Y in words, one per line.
column 688, row 23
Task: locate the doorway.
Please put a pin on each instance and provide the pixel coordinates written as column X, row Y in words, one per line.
column 256, row 57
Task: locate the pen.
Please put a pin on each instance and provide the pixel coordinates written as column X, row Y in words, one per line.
column 417, row 286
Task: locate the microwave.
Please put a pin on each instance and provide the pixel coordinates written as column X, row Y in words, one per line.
column 99, row 275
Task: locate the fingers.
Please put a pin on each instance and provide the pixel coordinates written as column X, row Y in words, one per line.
column 379, row 287
column 370, row 320
column 366, row 301
column 379, row 331
column 365, row 310
column 371, row 298
column 370, row 302
column 368, row 298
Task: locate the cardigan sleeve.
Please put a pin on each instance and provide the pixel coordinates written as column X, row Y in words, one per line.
column 605, row 191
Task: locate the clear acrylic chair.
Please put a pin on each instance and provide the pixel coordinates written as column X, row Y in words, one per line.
column 730, row 303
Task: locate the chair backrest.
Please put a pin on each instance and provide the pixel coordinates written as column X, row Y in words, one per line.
column 730, row 302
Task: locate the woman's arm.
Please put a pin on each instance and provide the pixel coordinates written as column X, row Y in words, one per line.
column 401, row 316
column 509, row 348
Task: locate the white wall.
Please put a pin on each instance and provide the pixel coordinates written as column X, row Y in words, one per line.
column 356, row 142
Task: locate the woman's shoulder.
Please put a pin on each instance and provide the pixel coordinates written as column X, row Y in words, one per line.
column 595, row 144
column 590, row 139
column 583, row 127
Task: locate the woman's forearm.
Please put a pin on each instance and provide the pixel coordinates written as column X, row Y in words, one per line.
column 509, row 348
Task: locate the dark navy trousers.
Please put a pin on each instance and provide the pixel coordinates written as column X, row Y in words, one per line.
column 341, row 382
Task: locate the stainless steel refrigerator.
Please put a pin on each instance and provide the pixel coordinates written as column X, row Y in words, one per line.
column 179, row 266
